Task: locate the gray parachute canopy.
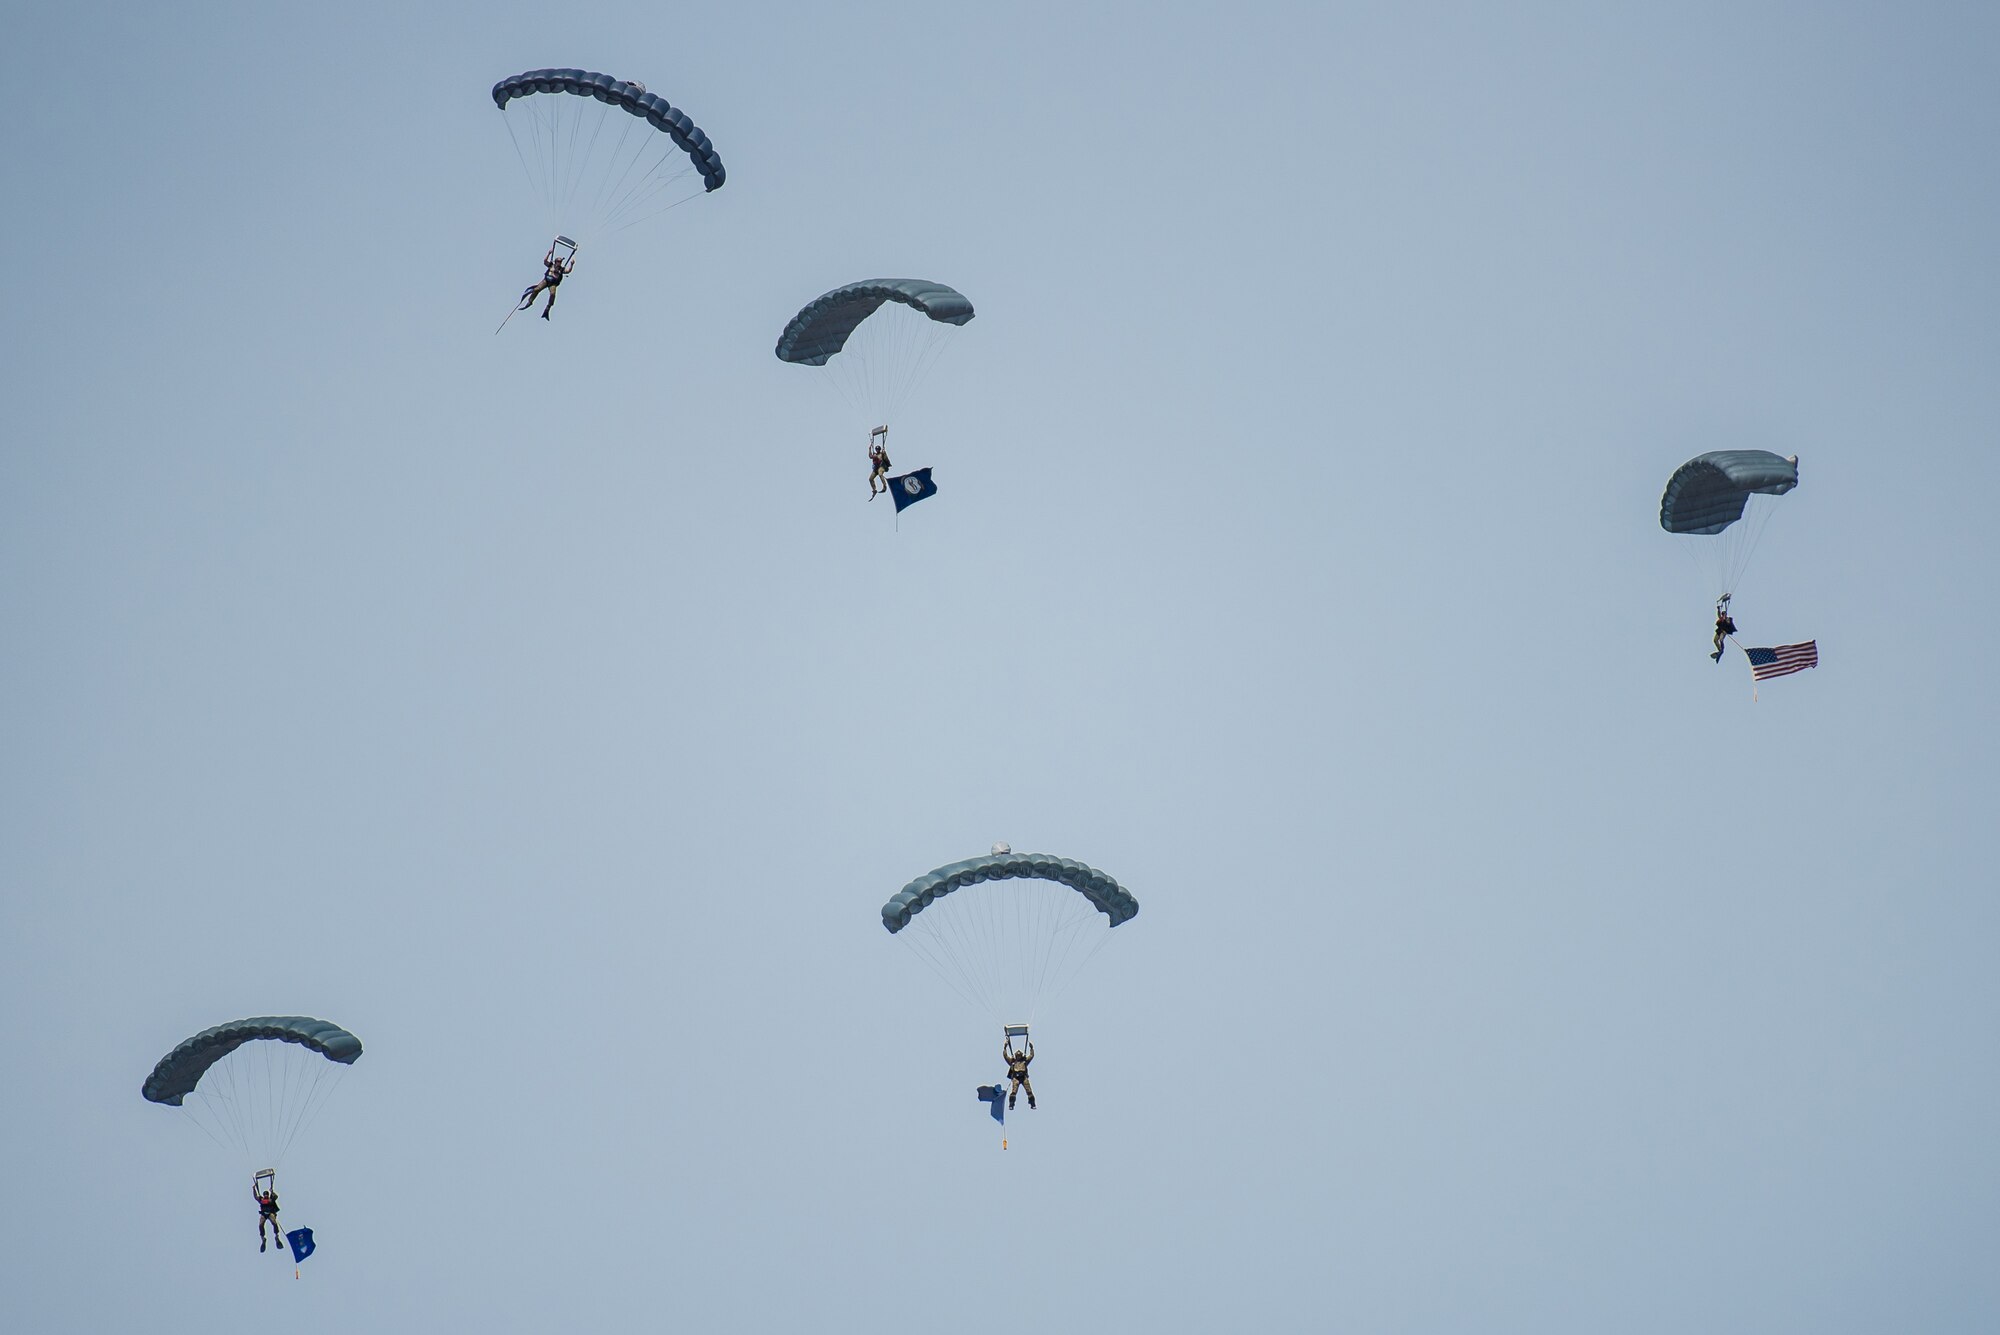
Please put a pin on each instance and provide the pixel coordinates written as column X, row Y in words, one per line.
column 182, row 1069
column 1110, row 898
column 822, row 328
column 1708, row 492
column 655, row 110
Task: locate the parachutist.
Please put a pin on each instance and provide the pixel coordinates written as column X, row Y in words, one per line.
column 1707, row 497
column 1007, row 930
column 1017, row 1070
column 267, row 1209
column 254, row 1084
column 878, row 462
column 553, row 272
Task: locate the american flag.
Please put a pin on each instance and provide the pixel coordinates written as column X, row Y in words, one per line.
column 1783, row 660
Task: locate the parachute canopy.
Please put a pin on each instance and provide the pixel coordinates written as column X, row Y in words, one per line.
column 822, row 327
column 1708, row 492
column 602, row 151
column 1105, row 895
column 177, row 1073
column 254, row 1085
column 1007, row 930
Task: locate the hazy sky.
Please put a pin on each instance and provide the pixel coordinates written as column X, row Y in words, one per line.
column 553, row 711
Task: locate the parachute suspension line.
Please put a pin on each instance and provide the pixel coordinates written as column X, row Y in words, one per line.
column 236, row 1096
column 611, row 157
column 1060, row 964
column 570, row 159
column 297, row 1090
column 222, row 1103
column 559, row 122
column 847, row 371
column 886, row 359
column 1036, row 915
column 1075, row 969
column 257, row 1100
column 611, row 154
column 286, row 1074
column 1701, row 570
column 326, row 1079
column 242, row 1095
column 646, row 190
column 259, row 1080
column 1753, row 524
column 889, row 360
column 914, row 365
column 1054, row 916
column 1035, row 966
column 892, row 345
column 267, row 1081
column 648, row 182
column 929, row 951
column 938, row 340
column 982, row 929
column 1009, row 946
column 873, row 356
column 589, row 151
column 552, row 120
column 969, row 939
column 1021, row 905
column 543, row 119
column 280, row 1072
column 615, row 189
column 1032, row 968
column 188, row 1114
column 526, row 170
column 648, row 217
column 531, row 157
column 1048, row 927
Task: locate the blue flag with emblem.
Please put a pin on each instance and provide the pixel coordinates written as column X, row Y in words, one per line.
column 996, row 1096
column 911, row 487
column 302, row 1243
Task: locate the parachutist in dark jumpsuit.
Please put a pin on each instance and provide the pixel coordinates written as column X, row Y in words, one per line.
column 553, row 272
column 1017, row 1070
column 267, row 1213
column 1724, row 626
column 878, row 462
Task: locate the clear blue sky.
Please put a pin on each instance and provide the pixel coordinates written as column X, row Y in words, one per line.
column 552, row 711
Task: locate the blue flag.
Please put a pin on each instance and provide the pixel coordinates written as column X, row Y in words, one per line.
column 302, row 1243
column 996, row 1096
column 911, row 488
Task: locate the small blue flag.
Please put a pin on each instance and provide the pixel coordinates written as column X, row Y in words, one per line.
column 911, row 488
column 302, row 1243
column 996, row 1096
